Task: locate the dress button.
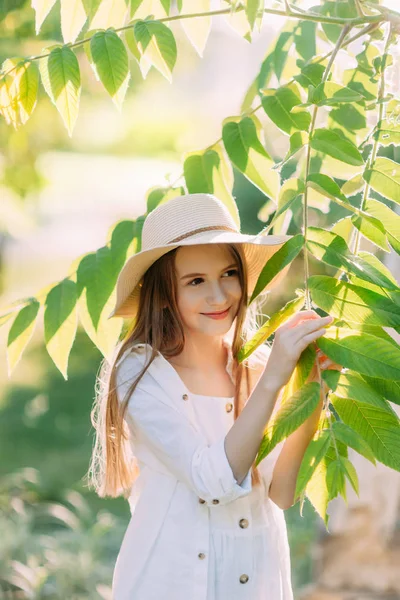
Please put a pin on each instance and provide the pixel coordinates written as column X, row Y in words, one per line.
column 185, row 397
column 244, row 578
column 228, row 407
column 243, row 523
column 215, row 501
column 201, row 555
column 202, row 501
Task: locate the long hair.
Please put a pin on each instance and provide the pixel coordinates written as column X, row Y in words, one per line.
column 113, row 467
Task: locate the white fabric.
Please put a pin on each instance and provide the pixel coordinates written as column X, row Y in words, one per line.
column 179, row 445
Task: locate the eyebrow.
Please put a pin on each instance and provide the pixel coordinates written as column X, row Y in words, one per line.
column 202, row 274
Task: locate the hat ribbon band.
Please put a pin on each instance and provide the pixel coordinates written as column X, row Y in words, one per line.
column 200, row 230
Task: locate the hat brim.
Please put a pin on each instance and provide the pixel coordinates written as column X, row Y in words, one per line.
column 258, row 249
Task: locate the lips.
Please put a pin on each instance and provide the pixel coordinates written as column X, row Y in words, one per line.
column 214, row 314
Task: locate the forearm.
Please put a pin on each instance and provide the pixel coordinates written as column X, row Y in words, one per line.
column 243, row 439
column 287, row 467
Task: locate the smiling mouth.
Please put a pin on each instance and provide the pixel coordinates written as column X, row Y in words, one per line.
column 222, row 312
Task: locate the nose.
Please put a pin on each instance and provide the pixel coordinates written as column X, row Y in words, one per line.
column 218, row 296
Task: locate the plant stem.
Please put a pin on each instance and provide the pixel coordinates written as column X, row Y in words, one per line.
column 381, row 114
column 372, row 20
column 328, row 69
column 336, row 49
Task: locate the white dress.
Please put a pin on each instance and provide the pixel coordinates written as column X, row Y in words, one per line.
column 194, row 533
column 243, row 544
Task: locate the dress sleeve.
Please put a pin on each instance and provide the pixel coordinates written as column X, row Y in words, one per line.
column 203, row 467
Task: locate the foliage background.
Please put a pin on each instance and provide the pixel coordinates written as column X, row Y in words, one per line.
column 58, row 204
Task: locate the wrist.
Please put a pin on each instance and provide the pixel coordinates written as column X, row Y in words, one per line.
column 270, row 384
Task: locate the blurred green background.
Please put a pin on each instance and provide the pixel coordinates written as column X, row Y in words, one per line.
column 60, row 196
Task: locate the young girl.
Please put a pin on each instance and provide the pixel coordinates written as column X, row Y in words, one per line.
column 179, row 420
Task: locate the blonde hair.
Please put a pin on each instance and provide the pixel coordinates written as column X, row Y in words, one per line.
column 113, row 467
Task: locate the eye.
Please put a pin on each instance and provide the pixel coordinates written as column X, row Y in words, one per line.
column 234, row 271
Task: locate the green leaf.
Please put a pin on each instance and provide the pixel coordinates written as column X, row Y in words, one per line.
column 210, row 172
column 280, row 52
column 73, row 18
column 333, row 144
column 18, row 90
column 122, row 240
column 289, row 192
column 21, row 332
column 304, row 39
column 270, row 326
column 111, row 64
column 335, row 479
column 310, row 75
column 289, row 417
column 388, row 389
column 42, row 9
column 374, row 330
column 317, row 491
column 350, row 117
column 351, row 438
column 241, row 137
column 158, row 9
column 353, row 185
column 300, row 373
column 107, row 13
column 362, row 79
column 159, row 195
column 297, row 141
column 372, row 229
column 388, row 132
column 252, row 7
column 343, row 228
column 329, row 93
column 333, row 250
column 60, row 323
column 353, row 385
column 352, row 302
column 278, row 104
column 376, row 264
column 278, row 261
column 62, row 82
column 389, row 218
column 315, row 452
column 384, row 177
column 96, row 279
column 157, row 43
column 362, row 352
column 374, row 425
column 197, row 29
column 326, row 186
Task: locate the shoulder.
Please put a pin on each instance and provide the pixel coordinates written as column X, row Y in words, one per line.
column 130, row 364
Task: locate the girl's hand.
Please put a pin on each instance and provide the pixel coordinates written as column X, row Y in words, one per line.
column 290, row 340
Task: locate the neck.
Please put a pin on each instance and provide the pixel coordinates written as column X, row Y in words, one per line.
column 205, row 354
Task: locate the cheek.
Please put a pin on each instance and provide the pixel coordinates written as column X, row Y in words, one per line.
column 188, row 298
column 235, row 289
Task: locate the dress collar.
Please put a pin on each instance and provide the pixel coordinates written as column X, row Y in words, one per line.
column 173, row 390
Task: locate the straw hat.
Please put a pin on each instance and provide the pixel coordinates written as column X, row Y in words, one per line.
column 185, row 221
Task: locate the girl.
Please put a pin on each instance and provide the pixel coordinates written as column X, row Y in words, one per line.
column 179, row 420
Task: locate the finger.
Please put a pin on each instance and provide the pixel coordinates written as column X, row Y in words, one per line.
column 311, row 325
column 305, row 340
column 298, row 317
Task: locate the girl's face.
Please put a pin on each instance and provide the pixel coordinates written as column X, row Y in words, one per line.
column 207, row 282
